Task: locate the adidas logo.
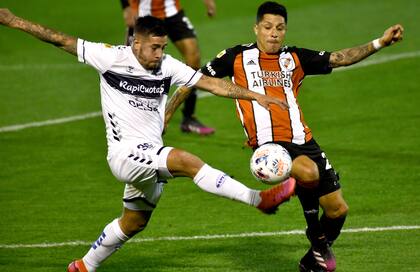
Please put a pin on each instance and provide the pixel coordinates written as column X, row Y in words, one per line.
column 251, row 62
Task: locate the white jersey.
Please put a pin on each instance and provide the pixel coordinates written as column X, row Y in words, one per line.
column 133, row 99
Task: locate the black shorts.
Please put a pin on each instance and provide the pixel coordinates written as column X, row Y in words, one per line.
column 328, row 178
column 179, row 27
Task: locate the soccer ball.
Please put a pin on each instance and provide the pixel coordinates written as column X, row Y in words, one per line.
column 271, row 164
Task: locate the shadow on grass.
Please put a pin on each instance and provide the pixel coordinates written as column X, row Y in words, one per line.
column 244, row 254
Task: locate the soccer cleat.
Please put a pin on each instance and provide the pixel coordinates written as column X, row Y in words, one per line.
column 309, row 264
column 321, row 252
column 77, row 266
column 191, row 124
column 273, row 197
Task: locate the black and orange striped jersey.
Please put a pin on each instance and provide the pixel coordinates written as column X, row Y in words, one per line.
column 278, row 75
column 157, row 8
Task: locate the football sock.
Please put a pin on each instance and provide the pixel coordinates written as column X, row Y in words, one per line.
column 332, row 227
column 216, row 182
column 189, row 104
column 111, row 239
column 310, row 204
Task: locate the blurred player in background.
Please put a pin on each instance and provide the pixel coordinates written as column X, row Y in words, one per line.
column 181, row 33
column 270, row 67
column 135, row 81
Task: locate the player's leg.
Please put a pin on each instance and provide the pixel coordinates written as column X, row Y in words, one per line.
column 182, row 163
column 129, row 15
column 335, row 212
column 114, row 235
column 320, row 257
column 137, row 166
column 182, row 34
column 305, row 171
column 188, row 47
column 333, row 217
column 311, row 172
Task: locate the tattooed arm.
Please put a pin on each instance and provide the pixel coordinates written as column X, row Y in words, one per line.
column 350, row 56
column 223, row 88
column 175, row 101
column 63, row 41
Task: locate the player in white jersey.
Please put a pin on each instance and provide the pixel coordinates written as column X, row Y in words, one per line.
column 134, row 85
column 182, row 34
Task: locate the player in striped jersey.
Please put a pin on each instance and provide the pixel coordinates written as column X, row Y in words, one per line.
column 181, row 32
column 134, row 84
column 270, row 67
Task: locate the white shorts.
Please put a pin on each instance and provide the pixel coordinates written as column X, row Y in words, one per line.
column 142, row 167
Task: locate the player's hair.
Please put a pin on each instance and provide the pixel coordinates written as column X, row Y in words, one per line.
column 149, row 25
column 270, row 7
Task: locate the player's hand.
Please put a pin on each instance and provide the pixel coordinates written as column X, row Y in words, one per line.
column 266, row 101
column 6, row 17
column 392, row 35
column 211, row 7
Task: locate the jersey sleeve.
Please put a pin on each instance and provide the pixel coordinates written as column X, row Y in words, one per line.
column 98, row 55
column 221, row 66
column 180, row 73
column 314, row 62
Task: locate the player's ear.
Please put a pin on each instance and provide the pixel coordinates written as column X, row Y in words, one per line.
column 256, row 29
column 136, row 42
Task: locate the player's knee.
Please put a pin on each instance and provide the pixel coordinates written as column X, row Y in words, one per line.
column 310, row 173
column 337, row 211
column 307, row 173
column 132, row 225
column 184, row 163
column 135, row 227
column 305, row 170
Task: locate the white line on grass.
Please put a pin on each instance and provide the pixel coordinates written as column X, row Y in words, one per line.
column 375, row 61
column 211, row 237
column 41, row 66
column 51, row 122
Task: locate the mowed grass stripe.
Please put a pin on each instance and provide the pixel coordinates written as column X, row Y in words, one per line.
column 379, row 60
column 213, row 237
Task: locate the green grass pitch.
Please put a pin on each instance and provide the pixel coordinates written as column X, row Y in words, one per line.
column 55, row 185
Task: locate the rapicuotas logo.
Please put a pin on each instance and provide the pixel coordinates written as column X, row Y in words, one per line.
column 141, row 88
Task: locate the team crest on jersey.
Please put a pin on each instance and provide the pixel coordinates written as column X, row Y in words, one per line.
column 286, row 62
